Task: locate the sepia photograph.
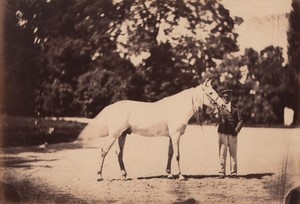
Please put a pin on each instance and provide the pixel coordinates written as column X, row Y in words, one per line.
column 150, row 101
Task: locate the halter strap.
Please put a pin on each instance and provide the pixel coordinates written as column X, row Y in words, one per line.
column 213, row 101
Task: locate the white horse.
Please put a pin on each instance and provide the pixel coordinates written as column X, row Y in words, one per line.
column 166, row 117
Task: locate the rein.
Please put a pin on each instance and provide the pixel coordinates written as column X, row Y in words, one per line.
column 212, row 101
column 196, row 100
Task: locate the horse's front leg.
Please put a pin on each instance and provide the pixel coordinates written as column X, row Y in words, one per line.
column 121, row 141
column 170, row 155
column 175, row 142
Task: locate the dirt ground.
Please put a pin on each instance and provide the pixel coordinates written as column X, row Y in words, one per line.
column 268, row 165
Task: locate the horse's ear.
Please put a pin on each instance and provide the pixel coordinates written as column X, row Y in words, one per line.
column 207, row 82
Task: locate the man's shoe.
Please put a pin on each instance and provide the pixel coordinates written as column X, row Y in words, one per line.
column 221, row 176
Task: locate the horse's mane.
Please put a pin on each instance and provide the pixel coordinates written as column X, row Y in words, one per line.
column 197, row 99
column 197, row 96
column 193, row 95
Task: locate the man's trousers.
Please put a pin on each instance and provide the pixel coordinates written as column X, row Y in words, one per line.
column 228, row 141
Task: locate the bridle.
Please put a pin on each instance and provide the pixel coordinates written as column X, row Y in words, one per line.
column 213, row 101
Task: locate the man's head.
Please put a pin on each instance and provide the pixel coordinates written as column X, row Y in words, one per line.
column 226, row 95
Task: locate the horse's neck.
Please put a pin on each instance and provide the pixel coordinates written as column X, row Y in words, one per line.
column 193, row 98
column 185, row 103
column 197, row 97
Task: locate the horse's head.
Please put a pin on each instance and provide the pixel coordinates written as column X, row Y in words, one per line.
column 211, row 97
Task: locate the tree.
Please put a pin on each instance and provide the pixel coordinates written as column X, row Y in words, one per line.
column 77, row 41
column 294, row 58
column 259, row 81
column 196, row 31
column 266, row 89
column 270, row 76
column 70, row 36
column 105, row 85
column 178, row 41
column 19, row 69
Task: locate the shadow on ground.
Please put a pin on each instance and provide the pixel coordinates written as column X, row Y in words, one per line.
column 247, row 176
column 17, row 162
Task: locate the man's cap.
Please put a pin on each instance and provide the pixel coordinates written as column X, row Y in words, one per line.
column 229, row 91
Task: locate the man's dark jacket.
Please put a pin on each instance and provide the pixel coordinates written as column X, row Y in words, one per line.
column 230, row 122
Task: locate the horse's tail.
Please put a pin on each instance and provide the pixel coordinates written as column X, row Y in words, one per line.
column 92, row 130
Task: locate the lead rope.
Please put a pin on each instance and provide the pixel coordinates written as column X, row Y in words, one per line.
column 213, row 102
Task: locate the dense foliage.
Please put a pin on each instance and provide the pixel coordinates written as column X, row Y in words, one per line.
column 294, row 57
column 74, row 57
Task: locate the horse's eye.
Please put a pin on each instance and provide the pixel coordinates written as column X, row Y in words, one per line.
column 210, row 93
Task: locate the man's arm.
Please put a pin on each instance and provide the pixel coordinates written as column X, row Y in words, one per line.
column 240, row 121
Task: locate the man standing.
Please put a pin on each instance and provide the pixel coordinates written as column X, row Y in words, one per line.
column 230, row 123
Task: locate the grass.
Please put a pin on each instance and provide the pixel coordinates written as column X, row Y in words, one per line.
column 23, row 131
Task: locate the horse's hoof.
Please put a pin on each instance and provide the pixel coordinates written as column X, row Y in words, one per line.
column 181, row 178
column 170, row 176
column 99, row 178
column 124, row 173
column 125, row 178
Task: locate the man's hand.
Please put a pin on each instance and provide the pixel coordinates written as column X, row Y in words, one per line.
column 216, row 112
column 236, row 132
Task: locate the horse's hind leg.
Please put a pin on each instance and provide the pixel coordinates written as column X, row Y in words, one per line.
column 104, row 150
column 170, row 155
column 121, row 141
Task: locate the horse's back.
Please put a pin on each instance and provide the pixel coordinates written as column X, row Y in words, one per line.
column 149, row 118
column 144, row 118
